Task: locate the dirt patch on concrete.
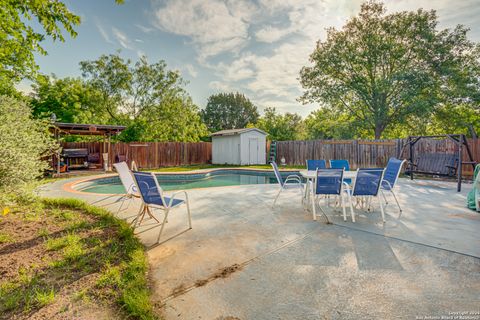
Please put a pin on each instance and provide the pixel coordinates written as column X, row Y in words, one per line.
column 222, row 273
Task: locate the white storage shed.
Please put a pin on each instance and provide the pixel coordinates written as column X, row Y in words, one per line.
column 239, row 146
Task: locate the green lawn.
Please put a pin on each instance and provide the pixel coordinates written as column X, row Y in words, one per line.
column 64, row 257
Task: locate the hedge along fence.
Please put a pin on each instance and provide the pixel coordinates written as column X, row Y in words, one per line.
column 150, row 155
column 367, row 153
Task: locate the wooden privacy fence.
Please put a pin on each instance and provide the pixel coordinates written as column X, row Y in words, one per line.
column 151, row 155
column 366, row 153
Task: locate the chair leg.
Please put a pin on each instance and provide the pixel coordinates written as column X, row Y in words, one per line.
column 189, row 215
column 384, row 197
column 381, row 208
column 278, row 194
column 151, row 215
column 396, row 200
column 163, row 224
column 121, row 204
column 129, row 202
column 141, row 213
column 351, row 207
column 342, row 201
column 314, row 210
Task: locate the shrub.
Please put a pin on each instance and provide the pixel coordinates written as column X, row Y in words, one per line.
column 24, row 143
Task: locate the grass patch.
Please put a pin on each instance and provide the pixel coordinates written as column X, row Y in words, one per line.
column 5, row 238
column 215, row 166
column 44, row 297
column 83, row 249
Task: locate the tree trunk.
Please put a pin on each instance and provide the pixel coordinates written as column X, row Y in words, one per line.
column 378, row 131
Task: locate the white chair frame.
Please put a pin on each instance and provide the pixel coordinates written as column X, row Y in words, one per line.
column 128, row 183
column 314, row 197
column 369, row 200
column 391, row 190
column 146, row 208
column 291, row 180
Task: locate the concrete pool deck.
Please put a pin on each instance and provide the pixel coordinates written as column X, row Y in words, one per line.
column 244, row 259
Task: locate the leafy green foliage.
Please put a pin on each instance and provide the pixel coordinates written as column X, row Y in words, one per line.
column 70, row 99
column 287, row 126
column 25, row 141
column 325, row 123
column 388, row 70
column 148, row 98
column 18, row 39
column 229, row 111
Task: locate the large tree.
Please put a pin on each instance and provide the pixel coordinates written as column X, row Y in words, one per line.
column 70, row 99
column 147, row 97
column 229, row 111
column 384, row 70
column 281, row 127
column 19, row 41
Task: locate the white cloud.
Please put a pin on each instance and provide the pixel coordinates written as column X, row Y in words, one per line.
column 240, row 69
column 139, row 40
column 103, row 32
column 220, row 86
column 271, row 34
column 144, row 28
column 214, row 26
column 122, row 39
column 191, row 70
column 259, row 47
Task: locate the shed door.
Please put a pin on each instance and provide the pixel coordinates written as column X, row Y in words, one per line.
column 252, row 150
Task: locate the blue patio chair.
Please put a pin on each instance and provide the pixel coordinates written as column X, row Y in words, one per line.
column 152, row 196
column 316, row 164
column 390, row 177
column 329, row 182
column 292, row 181
column 367, row 184
column 341, row 164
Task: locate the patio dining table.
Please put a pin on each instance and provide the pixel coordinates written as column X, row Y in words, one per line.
column 310, row 175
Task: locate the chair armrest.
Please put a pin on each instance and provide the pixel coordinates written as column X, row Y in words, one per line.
column 293, row 177
column 172, row 197
column 347, row 188
column 388, row 183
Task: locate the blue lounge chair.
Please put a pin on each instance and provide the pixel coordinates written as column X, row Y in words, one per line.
column 390, row 177
column 152, row 196
column 329, row 182
column 316, row 164
column 341, row 164
column 292, row 181
column 367, row 184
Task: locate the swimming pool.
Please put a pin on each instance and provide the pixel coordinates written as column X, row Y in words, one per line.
column 214, row 178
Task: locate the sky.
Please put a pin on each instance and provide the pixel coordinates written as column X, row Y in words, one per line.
column 256, row 47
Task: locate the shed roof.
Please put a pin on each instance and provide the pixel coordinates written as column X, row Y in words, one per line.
column 232, row 132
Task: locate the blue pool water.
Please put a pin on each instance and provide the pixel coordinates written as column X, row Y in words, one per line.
column 217, row 178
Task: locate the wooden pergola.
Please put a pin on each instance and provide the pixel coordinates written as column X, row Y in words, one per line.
column 107, row 131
